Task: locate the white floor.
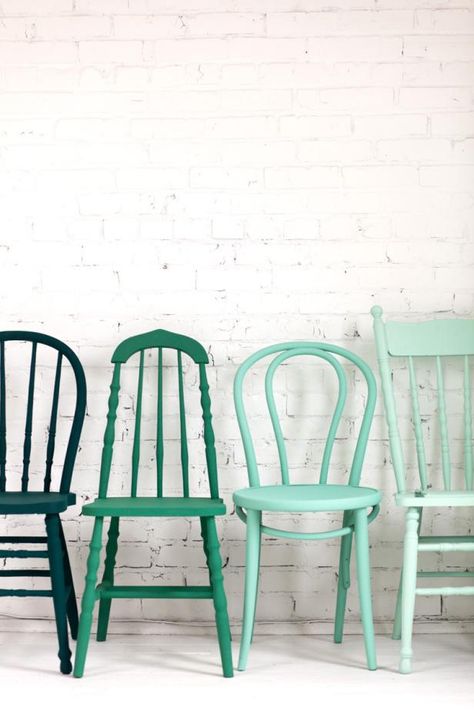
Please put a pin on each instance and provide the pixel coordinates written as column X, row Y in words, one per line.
column 133, row 670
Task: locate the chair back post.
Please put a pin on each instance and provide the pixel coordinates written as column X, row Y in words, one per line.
column 388, row 398
column 78, row 417
column 209, row 439
column 109, row 434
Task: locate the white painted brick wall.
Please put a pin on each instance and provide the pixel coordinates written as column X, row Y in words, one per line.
column 243, row 172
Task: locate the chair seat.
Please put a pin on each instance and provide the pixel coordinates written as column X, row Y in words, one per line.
column 306, row 497
column 153, row 506
column 435, row 498
column 35, row 502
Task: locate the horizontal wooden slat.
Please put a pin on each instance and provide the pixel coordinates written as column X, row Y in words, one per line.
column 442, row 337
column 155, row 591
column 468, row 590
column 26, row 593
column 23, row 554
column 22, row 573
column 23, row 539
column 446, row 574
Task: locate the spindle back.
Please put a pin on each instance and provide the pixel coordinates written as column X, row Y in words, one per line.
column 63, row 353
column 437, row 339
column 331, row 354
column 159, row 340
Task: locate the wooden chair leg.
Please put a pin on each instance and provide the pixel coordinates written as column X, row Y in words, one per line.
column 410, row 555
column 72, row 613
column 363, row 579
column 108, row 578
column 88, row 598
column 58, row 585
column 219, row 598
column 397, row 622
column 252, row 558
column 343, row 582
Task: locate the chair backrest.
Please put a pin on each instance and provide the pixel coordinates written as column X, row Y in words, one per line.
column 327, row 353
column 439, row 340
column 159, row 340
column 63, row 352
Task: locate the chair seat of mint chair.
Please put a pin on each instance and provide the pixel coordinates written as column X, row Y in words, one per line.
column 428, row 353
column 299, row 498
column 206, row 508
column 31, row 486
column 357, row 505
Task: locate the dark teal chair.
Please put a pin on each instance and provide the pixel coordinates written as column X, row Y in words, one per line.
column 50, row 501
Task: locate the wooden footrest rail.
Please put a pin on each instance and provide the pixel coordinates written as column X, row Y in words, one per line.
column 200, row 592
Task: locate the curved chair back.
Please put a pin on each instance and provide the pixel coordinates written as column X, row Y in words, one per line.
column 437, row 339
column 331, row 354
column 64, row 353
column 159, row 340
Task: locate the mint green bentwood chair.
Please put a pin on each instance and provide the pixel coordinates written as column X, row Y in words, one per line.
column 429, row 339
column 351, row 499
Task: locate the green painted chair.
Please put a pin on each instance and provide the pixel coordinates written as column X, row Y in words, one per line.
column 351, row 500
column 35, row 494
column 206, row 508
column 435, row 340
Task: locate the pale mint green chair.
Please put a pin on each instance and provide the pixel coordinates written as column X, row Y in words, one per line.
column 435, row 340
column 351, row 500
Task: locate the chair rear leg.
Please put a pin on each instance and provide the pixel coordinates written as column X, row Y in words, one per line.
column 88, row 598
column 410, row 555
column 344, row 581
column 58, row 585
column 363, row 578
column 252, row 559
column 219, row 598
column 108, row 578
column 72, row 613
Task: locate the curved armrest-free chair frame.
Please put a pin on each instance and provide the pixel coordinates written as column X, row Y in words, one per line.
column 26, row 500
column 351, row 500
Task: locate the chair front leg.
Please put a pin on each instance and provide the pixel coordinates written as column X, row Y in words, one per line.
column 72, row 613
column 410, row 556
column 59, row 590
column 219, row 598
column 88, row 598
column 397, row 623
column 344, row 579
column 363, row 578
column 252, row 564
column 108, row 578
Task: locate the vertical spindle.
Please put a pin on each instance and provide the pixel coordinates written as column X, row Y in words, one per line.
column 29, row 420
column 420, row 445
column 159, row 426
column 136, row 434
column 183, row 434
column 52, row 424
column 443, row 426
column 467, row 424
